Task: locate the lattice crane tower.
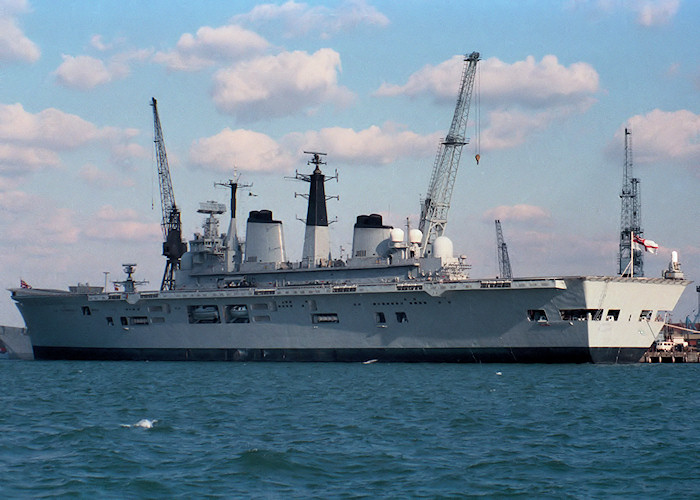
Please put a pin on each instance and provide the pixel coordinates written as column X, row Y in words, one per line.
column 173, row 246
column 504, row 268
column 630, row 216
column 437, row 201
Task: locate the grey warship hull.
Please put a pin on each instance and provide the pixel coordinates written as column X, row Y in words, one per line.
column 550, row 320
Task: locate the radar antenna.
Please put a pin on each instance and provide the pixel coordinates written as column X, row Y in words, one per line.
column 437, row 201
column 173, row 246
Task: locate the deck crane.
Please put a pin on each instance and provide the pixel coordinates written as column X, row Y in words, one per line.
column 173, row 246
column 503, row 260
column 437, row 201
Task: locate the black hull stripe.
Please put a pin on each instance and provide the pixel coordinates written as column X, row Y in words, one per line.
column 435, row 355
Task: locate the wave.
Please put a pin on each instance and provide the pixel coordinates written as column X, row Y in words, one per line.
column 144, row 423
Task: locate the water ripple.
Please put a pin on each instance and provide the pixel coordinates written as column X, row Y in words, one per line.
column 178, row 430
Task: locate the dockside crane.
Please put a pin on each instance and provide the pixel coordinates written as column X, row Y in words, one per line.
column 437, row 201
column 173, row 246
column 503, row 259
column 630, row 217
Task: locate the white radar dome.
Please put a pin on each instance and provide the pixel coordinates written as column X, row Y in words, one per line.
column 397, row 235
column 415, row 236
column 442, row 247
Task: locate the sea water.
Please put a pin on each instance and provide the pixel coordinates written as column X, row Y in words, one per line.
column 304, row 430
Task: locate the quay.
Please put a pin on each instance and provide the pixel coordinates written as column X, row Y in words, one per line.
column 680, row 345
column 671, row 357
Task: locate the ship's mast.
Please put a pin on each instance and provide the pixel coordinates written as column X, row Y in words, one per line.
column 317, row 248
column 173, row 246
column 437, row 201
column 129, row 283
column 234, row 250
column 630, row 217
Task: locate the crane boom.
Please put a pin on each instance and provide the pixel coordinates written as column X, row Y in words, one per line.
column 437, row 201
column 503, row 259
column 173, row 246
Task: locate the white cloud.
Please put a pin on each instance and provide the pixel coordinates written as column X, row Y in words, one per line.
column 648, row 13
column 538, row 85
column 662, row 137
column 96, row 42
column 124, row 224
column 120, row 62
column 508, row 128
column 14, row 44
column 121, row 145
column 8, row 184
column 371, row 146
column 87, row 72
column 82, row 72
column 526, row 83
column 46, row 228
column 279, row 85
column 50, row 128
column 519, row 213
column 524, row 97
column 19, row 159
column 243, row 149
column 15, row 202
column 107, row 213
column 34, row 227
column 96, row 177
column 253, row 151
column 440, row 81
column 30, row 141
column 210, row 45
column 655, row 12
column 299, row 19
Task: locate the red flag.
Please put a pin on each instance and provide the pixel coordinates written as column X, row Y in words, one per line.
column 24, row 284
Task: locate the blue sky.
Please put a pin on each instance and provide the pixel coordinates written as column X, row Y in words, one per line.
column 373, row 84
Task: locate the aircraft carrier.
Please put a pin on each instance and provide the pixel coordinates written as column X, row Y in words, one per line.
column 385, row 303
column 400, row 296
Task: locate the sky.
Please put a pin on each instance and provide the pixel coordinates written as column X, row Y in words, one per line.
column 243, row 88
